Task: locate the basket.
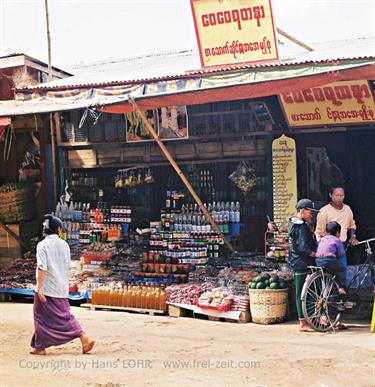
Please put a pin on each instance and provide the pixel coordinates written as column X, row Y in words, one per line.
column 268, row 306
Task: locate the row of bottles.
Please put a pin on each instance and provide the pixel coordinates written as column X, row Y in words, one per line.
column 132, row 297
column 191, row 218
column 75, row 212
column 219, row 210
column 90, row 179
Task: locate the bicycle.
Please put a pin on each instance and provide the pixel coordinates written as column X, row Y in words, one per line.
column 322, row 305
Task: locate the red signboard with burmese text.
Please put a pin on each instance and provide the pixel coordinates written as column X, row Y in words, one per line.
column 234, row 31
column 339, row 103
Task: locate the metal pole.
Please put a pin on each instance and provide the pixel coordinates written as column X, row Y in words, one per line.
column 180, row 173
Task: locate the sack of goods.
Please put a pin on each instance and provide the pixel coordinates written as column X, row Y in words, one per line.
column 268, row 299
column 219, row 299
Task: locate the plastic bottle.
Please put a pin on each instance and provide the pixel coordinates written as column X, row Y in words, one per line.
column 157, row 300
column 163, row 301
column 232, row 212
column 237, row 213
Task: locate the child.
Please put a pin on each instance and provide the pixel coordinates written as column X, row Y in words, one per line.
column 329, row 254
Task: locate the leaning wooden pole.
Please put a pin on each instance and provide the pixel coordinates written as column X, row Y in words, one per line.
column 294, row 40
column 179, row 173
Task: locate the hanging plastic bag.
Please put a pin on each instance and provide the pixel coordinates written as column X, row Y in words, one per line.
column 244, row 177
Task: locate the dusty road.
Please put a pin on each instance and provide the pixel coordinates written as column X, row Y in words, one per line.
column 139, row 350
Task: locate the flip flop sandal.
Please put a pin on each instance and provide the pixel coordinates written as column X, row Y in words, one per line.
column 38, row 352
column 88, row 347
column 341, row 326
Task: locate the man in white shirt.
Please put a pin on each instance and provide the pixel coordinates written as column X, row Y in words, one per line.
column 53, row 322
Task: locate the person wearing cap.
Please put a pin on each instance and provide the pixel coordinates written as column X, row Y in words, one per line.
column 302, row 248
column 53, row 322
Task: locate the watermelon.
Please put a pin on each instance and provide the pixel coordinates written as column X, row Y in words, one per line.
column 282, row 285
column 274, row 285
column 261, row 285
column 274, row 279
column 265, row 276
column 267, row 282
column 253, row 285
column 258, row 279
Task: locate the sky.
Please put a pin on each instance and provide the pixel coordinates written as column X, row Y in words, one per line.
column 90, row 30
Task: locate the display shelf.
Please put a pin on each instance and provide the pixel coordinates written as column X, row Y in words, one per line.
column 31, row 292
column 276, row 246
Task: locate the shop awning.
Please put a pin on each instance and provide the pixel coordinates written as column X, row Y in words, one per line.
column 253, row 83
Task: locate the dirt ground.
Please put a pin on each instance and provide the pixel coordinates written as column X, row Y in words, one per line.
column 140, row 350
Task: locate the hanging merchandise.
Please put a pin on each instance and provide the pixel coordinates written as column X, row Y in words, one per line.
column 128, row 178
column 244, row 177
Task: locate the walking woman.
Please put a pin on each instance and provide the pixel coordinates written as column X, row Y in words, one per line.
column 53, row 322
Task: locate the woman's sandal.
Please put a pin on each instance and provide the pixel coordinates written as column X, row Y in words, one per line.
column 35, row 351
column 88, row 347
column 341, row 326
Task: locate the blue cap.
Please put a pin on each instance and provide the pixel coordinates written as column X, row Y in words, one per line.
column 306, row 204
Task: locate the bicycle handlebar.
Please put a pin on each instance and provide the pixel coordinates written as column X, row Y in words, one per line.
column 366, row 241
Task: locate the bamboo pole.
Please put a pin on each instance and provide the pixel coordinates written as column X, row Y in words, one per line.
column 179, row 172
column 294, row 40
column 48, row 42
column 51, row 120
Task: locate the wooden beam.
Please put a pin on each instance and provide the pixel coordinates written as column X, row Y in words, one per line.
column 58, row 128
column 179, row 172
column 53, row 156
column 12, row 234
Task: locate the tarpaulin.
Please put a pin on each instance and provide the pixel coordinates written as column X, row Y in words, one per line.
column 247, row 83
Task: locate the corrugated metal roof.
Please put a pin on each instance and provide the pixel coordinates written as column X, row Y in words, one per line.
column 178, row 64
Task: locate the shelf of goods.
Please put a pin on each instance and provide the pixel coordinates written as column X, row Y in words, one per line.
column 276, row 246
column 172, row 255
column 82, row 225
column 30, row 292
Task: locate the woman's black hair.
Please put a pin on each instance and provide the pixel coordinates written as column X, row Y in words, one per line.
column 51, row 224
column 336, row 187
column 333, row 228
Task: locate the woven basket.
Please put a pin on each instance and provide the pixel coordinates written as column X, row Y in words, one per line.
column 268, row 306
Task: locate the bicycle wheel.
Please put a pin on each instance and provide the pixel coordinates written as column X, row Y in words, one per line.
column 320, row 298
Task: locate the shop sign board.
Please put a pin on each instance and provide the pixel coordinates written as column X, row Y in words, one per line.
column 234, row 31
column 170, row 123
column 338, row 103
column 284, row 174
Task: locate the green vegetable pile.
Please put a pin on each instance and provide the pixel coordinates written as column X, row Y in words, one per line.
column 265, row 281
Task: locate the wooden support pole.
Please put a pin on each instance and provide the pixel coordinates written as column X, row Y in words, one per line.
column 58, row 128
column 53, row 156
column 179, row 172
column 294, row 40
